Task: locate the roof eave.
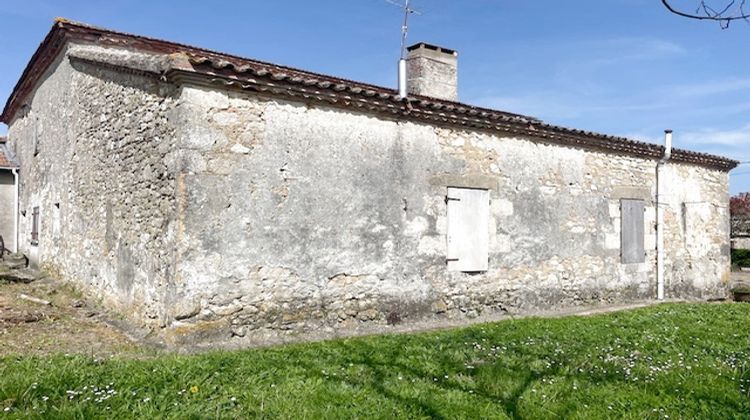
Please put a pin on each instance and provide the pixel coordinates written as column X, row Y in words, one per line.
column 222, row 75
column 35, row 69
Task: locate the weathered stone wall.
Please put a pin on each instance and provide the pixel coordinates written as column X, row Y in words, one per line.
column 92, row 144
column 223, row 214
column 302, row 218
column 696, row 235
column 7, row 208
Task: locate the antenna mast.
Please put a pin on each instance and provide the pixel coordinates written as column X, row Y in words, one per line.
column 405, row 28
column 404, row 32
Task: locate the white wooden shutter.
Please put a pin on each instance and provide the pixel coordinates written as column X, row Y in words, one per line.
column 468, row 229
column 631, row 231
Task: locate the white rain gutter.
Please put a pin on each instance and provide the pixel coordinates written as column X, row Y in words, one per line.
column 15, row 213
column 660, row 216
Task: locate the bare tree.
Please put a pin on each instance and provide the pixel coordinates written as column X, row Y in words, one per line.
column 722, row 11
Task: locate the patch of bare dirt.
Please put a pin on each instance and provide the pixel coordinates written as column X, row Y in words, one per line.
column 46, row 316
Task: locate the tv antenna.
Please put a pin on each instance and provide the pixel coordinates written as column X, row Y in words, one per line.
column 406, row 6
column 405, row 26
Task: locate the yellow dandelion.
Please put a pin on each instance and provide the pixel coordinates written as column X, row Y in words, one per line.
column 194, row 389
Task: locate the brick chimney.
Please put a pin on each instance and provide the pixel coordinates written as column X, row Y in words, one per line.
column 432, row 71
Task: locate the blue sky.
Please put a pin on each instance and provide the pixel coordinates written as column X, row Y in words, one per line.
column 624, row 67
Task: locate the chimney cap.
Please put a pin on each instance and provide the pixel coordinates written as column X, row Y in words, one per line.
column 425, row 45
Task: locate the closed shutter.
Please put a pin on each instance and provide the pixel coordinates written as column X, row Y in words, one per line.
column 631, row 233
column 468, row 229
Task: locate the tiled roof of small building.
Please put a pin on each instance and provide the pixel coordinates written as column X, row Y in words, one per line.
column 7, row 161
column 220, row 70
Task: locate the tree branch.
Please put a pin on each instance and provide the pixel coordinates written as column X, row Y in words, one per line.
column 734, row 10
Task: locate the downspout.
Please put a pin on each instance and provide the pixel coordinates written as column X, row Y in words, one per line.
column 15, row 212
column 660, row 216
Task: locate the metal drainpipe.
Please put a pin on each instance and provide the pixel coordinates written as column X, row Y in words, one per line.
column 660, row 216
column 402, row 78
column 15, row 213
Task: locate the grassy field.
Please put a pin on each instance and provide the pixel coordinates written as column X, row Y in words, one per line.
column 667, row 361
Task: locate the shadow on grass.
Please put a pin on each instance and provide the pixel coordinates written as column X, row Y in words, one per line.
column 381, row 364
column 500, row 382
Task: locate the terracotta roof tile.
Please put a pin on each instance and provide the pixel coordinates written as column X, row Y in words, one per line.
column 6, row 157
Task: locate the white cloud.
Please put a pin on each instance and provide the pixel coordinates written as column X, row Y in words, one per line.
column 711, row 87
column 739, row 137
column 618, row 50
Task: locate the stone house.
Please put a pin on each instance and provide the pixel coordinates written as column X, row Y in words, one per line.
column 8, row 203
column 200, row 192
column 740, row 242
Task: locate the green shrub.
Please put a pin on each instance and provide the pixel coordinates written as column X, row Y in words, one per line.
column 741, row 257
column 743, row 289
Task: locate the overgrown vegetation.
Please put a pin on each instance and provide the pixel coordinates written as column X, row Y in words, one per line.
column 675, row 360
column 741, row 257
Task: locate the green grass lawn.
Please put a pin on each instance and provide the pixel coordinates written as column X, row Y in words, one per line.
column 672, row 360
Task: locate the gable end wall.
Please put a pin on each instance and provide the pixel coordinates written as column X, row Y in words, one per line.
column 102, row 181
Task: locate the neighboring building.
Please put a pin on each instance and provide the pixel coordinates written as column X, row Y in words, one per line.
column 199, row 191
column 739, row 222
column 8, row 204
column 740, row 242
